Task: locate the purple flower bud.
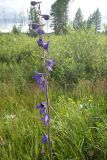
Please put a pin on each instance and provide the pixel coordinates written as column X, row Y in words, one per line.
column 43, row 86
column 42, row 106
column 35, row 25
column 39, row 31
column 46, row 17
column 45, row 139
column 39, row 77
column 46, row 45
column 40, row 42
column 33, row 3
column 45, row 119
column 50, row 64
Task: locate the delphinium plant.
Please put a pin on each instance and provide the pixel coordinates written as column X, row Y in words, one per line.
column 42, row 78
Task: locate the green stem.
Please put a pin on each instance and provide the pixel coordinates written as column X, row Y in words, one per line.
column 48, row 106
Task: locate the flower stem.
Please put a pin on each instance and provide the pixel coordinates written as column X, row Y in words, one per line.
column 49, row 128
column 48, row 107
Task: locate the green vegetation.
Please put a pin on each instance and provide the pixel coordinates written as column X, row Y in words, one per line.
column 78, row 95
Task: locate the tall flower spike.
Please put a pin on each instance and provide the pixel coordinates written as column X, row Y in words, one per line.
column 42, row 106
column 50, row 64
column 45, row 139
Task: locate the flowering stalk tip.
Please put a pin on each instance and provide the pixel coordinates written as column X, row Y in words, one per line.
column 33, row 3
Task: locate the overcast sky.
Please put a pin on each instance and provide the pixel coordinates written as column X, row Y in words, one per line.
column 87, row 7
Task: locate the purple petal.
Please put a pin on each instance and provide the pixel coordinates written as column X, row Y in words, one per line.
column 38, row 106
column 39, row 31
column 40, row 42
column 35, row 25
column 43, row 86
column 42, row 110
column 43, row 105
column 46, row 45
column 45, row 139
column 46, row 17
column 50, row 64
column 39, row 78
column 45, row 119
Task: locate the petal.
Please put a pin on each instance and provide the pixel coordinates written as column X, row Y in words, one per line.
column 46, row 17
column 38, row 106
column 45, row 139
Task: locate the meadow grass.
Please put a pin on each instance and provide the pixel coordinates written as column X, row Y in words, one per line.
column 78, row 96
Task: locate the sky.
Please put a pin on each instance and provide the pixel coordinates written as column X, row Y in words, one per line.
column 87, row 7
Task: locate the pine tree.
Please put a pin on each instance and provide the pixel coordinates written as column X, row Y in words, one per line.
column 78, row 22
column 89, row 22
column 94, row 20
column 33, row 16
column 97, row 19
column 59, row 14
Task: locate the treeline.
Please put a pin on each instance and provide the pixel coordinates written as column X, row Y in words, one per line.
column 59, row 16
column 94, row 20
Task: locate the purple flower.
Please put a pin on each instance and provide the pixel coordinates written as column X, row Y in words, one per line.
column 35, row 25
column 46, row 17
column 43, row 85
column 39, row 77
column 50, row 64
column 46, row 45
column 45, row 139
column 33, row 3
column 40, row 42
column 39, row 31
column 42, row 106
column 45, row 119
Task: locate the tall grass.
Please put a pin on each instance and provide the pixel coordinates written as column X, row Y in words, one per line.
column 78, row 95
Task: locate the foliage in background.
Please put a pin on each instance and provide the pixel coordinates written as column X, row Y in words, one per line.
column 95, row 20
column 16, row 30
column 59, row 14
column 33, row 18
column 78, row 94
column 78, row 20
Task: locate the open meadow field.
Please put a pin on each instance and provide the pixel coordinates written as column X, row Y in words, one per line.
column 77, row 93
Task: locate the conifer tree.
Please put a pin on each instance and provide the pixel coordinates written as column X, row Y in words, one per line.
column 33, row 16
column 89, row 22
column 78, row 22
column 97, row 19
column 94, row 20
column 59, row 14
